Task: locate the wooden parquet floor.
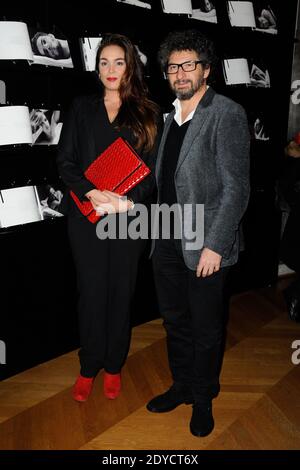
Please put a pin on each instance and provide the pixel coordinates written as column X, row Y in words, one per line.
column 258, row 407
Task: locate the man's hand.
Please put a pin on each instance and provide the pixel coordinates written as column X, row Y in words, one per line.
column 293, row 150
column 209, row 263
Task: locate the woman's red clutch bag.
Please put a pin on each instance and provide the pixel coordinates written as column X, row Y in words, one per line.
column 118, row 169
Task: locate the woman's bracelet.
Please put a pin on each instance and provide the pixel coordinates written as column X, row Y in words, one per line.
column 125, row 198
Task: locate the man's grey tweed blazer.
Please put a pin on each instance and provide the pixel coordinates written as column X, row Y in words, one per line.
column 212, row 169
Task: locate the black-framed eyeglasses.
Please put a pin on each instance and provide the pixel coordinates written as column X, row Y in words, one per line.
column 188, row 66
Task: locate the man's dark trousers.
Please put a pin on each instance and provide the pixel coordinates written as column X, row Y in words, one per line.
column 193, row 313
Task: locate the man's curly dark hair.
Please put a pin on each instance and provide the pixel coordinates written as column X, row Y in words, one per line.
column 191, row 40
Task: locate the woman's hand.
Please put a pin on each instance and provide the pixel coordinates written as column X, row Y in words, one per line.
column 115, row 204
column 97, row 197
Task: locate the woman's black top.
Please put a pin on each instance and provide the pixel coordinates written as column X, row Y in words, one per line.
column 86, row 133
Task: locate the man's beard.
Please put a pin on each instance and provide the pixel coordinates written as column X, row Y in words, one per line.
column 189, row 93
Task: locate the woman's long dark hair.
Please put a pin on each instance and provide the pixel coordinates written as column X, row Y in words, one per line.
column 137, row 111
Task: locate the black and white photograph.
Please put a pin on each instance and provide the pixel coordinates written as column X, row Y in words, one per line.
column 49, row 197
column 142, row 55
column 2, row 92
column 259, row 75
column 19, row 206
column 46, row 126
column 259, row 130
column 179, row 7
column 15, row 125
column 265, row 16
column 258, row 15
column 20, row 42
column 22, row 125
column 15, row 41
column 241, row 14
column 137, row 3
column 50, row 48
column 88, row 47
column 236, row 71
column 259, row 124
column 28, row 204
column 242, row 71
column 204, row 10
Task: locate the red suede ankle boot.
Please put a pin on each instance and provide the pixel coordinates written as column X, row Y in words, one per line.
column 82, row 388
column 112, row 385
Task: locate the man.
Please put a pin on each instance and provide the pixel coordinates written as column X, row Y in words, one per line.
column 203, row 159
column 48, row 45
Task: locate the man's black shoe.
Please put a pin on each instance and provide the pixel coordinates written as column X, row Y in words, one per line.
column 169, row 400
column 202, row 422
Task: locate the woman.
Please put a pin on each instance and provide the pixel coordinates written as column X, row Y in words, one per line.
column 267, row 19
column 208, row 6
column 204, row 9
column 107, row 269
